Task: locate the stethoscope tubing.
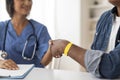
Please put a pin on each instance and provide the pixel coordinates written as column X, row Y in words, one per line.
column 26, row 43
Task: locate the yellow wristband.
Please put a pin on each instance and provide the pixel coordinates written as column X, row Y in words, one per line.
column 67, row 48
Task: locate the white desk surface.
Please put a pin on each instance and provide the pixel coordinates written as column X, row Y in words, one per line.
column 48, row 74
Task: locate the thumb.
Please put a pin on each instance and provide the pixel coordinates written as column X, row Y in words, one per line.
column 50, row 42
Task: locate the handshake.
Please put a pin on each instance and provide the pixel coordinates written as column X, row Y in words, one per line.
column 59, row 46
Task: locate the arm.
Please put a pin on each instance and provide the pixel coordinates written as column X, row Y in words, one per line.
column 110, row 64
column 75, row 52
column 47, row 58
column 78, row 54
column 43, row 47
column 97, row 62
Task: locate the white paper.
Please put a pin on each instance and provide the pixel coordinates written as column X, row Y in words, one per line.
column 23, row 70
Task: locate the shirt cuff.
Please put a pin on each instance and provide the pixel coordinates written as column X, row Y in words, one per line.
column 92, row 61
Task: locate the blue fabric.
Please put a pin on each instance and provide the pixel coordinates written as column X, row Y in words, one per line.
column 109, row 66
column 14, row 43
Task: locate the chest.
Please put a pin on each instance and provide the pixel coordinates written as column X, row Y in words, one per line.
column 12, row 42
column 18, row 30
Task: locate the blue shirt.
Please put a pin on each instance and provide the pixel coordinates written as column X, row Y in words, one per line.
column 14, row 44
column 96, row 60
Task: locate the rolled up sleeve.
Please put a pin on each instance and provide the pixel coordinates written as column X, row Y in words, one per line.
column 92, row 61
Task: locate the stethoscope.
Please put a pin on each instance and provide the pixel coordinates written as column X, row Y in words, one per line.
column 4, row 53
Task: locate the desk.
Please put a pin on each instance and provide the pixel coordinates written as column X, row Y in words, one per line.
column 48, row 74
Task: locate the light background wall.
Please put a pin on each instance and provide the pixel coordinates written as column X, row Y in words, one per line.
column 68, row 27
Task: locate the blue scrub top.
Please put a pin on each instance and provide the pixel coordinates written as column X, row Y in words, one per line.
column 14, row 44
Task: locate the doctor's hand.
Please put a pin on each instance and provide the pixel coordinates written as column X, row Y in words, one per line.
column 57, row 47
column 8, row 64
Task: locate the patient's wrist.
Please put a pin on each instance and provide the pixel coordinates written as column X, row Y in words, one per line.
column 67, row 48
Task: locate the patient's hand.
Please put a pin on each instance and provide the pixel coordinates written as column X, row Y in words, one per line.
column 57, row 47
column 8, row 64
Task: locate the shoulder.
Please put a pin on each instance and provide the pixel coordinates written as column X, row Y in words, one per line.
column 2, row 27
column 105, row 18
column 39, row 27
column 106, row 14
column 109, row 13
column 37, row 24
column 3, row 24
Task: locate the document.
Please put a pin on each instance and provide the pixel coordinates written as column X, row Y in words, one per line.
column 24, row 69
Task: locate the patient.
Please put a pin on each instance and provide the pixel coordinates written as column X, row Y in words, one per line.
column 103, row 60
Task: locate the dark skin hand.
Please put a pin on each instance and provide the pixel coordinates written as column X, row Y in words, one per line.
column 57, row 49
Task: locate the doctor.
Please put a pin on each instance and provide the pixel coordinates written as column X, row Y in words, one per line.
column 103, row 60
column 25, row 41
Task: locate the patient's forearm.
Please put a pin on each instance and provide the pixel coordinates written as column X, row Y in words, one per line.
column 77, row 53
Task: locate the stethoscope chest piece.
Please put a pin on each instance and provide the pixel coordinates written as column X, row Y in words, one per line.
column 3, row 55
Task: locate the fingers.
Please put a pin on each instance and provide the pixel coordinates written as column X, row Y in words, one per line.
column 9, row 64
column 54, row 49
column 57, row 56
column 50, row 42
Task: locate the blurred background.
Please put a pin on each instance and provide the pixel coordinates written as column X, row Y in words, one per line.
column 73, row 20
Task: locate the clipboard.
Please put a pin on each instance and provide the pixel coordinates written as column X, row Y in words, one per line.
column 24, row 69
